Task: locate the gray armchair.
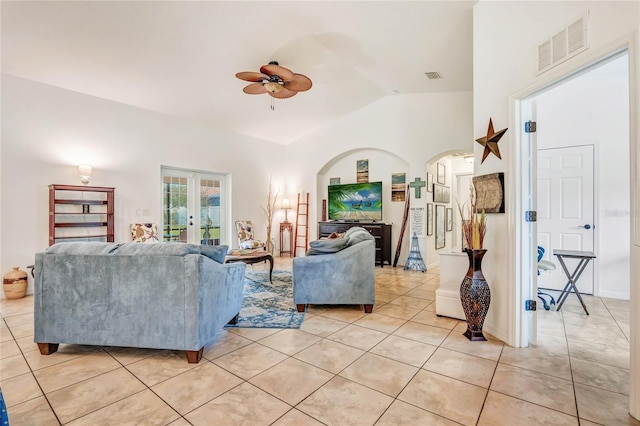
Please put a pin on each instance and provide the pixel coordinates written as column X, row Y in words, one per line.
column 337, row 272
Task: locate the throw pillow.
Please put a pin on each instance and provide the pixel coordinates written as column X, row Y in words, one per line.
column 216, row 253
column 326, row 246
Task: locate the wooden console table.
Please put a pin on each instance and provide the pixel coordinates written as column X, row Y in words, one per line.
column 380, row 231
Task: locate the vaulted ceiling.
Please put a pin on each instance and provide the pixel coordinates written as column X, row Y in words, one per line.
column 180, row 58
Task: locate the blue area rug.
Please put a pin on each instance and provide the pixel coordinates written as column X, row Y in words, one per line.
column 268, row 305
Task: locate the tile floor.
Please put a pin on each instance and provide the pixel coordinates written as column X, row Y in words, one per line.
column 400, row 365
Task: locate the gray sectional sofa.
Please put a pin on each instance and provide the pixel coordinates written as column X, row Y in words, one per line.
column 339, row 271
column 165, row 296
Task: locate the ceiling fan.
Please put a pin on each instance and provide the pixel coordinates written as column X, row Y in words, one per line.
column 277, row 81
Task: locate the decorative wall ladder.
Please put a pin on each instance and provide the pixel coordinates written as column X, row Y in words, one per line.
column 302, row 221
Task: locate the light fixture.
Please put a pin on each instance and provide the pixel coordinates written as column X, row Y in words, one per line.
column 273, row 87
column 84, row 170
column 286, row 206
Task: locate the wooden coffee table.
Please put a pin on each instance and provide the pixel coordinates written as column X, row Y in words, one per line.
column 258, row 255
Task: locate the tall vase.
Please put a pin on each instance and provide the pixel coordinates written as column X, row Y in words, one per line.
column 475, row 295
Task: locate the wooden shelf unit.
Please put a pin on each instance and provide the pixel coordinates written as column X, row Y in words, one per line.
column 380, row 231
column 88, row 214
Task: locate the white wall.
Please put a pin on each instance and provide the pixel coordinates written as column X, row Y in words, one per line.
column 47, row 132
column 503, row 66
column 411, row 129
column 594, row 109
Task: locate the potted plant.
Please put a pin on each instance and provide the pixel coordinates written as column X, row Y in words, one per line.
column 475, row 294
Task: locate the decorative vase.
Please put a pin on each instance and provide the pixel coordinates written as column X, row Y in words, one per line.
column 475, row 295
column 15, row 283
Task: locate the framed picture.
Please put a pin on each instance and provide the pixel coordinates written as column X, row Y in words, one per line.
column 429, row 182
column 441, row 193
column 398, row 187
column 442, row 172
column 429, row 219
column 449, row 219
column 440, row 226
column 362, row 171
column 334, row 181
column 490, row 192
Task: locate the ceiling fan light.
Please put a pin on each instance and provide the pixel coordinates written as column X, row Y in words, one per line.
column 273, row 87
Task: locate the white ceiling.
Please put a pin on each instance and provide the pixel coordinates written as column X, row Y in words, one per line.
column 180, row 58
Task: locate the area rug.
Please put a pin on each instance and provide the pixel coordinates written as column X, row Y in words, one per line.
column 268, row 305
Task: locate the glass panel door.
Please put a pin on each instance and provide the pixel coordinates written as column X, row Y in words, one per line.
column 192, row 206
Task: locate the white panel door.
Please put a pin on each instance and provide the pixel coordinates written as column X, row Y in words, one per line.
column 565, row 210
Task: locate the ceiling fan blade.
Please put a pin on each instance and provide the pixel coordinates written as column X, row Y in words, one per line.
column 255, row 89
column 252, row 76
column 299, row 83
column 283, row 94
column 281, row 72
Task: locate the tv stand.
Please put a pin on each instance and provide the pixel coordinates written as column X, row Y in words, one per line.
column 380, row 231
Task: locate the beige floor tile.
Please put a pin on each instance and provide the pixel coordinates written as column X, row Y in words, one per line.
column 426, row 294
column 32, row 412
column 141, row 408
column 345, row 313
column 383, row 323
column 548, row 391
column 431, row 318
column 329, row 355
column 502, row 409
column 253, row 334
column 457, row 365
column 597, row 336
column 243, row 405
column 384, row 297
column 605, row 323
column 390, row 378
column 180, row 422
column 401, row 413
column 411, row 302
column 27, row 344
column 490, row 349
column 9, row 348
column 5, row 334
column 447, row 397
column 13, row 366
column 10, row 307
column 19, row 389
column 290, row 341
column 422, row 333
column 616, row 304
column 191, row 389
column 538, row 359
column 404, row 350
column 224, row 343
column 614, row 379
column 38, row 361
column 322, row 326
column 82, row 398
column 160, row 366
column 291, row 380
column 127, row 356
column 343, row 402
column 19, row 319
column 398, row 311
column 295, row 417
column 75, row 370
column 250, row 360
column 603, row 407
column 359, row 337
column 609, row 355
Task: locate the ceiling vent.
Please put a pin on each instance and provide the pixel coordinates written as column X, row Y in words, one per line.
column 433, row 75
column 565, row 44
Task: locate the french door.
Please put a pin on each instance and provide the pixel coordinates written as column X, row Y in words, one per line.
column 193, row 206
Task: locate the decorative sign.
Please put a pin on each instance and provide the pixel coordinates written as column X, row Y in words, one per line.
column 417, row 221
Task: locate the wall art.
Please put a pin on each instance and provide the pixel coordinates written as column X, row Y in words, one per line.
column 441, row 193
column 429, row 219
column 362, row 171
column 490, row 192
column 440, row 226
column 442, row 173
column 398, row 187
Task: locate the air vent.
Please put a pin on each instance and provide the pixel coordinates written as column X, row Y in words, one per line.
column 566, row 43
column 433, row 75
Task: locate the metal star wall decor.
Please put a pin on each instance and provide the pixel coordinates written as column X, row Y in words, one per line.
column 490, row 142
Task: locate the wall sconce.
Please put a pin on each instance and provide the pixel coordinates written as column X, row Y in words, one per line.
column 286, row 206
column 84, row 170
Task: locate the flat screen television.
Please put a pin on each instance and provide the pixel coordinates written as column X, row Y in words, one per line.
column 356, row 202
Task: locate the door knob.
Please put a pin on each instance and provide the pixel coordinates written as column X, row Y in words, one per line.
column 587, row 226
